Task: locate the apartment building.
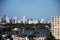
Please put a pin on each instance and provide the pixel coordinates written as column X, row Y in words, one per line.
column 55, row 26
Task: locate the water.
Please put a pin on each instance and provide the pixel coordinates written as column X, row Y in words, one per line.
column 27, row 32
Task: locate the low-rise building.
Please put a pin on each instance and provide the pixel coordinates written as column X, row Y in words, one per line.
column 20, row 38
column 26, row 38
column 30, row 22
column 19, row 21
column 33, row 22
column 39, row 38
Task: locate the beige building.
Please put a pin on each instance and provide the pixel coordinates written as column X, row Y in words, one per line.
column 26, row 38
column 30, row 22
column 55, row 26
column 33, row 22
column 15, row 37
column 39, row 38
column 20, row 38
column 7, row 19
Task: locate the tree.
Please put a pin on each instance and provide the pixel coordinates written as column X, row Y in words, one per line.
column 49, row 35
column 33, row 34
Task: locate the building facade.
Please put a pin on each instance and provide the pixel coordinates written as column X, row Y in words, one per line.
column 33, row 22
column 15, row 20
column 55, row 26
column 39, row 38
column 26, row 38
column 0, row 19
column 7, row 19
column 24, row 19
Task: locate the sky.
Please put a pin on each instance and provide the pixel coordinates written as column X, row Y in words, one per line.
column 35, row 9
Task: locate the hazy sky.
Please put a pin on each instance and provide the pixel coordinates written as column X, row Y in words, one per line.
column 35, row 9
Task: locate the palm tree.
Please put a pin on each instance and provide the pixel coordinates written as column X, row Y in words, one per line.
column 49, row 35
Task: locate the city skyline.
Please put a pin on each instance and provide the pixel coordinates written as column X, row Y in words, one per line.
column 7, row 19
column 35, row 9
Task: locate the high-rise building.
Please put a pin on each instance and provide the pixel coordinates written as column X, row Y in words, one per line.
column 15, row 20
column 55, row 26
column 4, row 19
column 30, row 21
column 7, row 19
column 24, row 19
column 0, row 19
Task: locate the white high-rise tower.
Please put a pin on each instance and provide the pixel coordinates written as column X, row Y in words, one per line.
column 7, row 19
column 24, row 19
column 15, row 20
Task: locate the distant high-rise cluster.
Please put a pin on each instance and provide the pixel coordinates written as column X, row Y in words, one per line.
column 55, row 26
column 7, row 19
column 55, row 23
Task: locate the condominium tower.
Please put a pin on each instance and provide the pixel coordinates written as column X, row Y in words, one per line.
column 55, row 26
column 7, row 19
column 15, row 20
column 24, row 19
